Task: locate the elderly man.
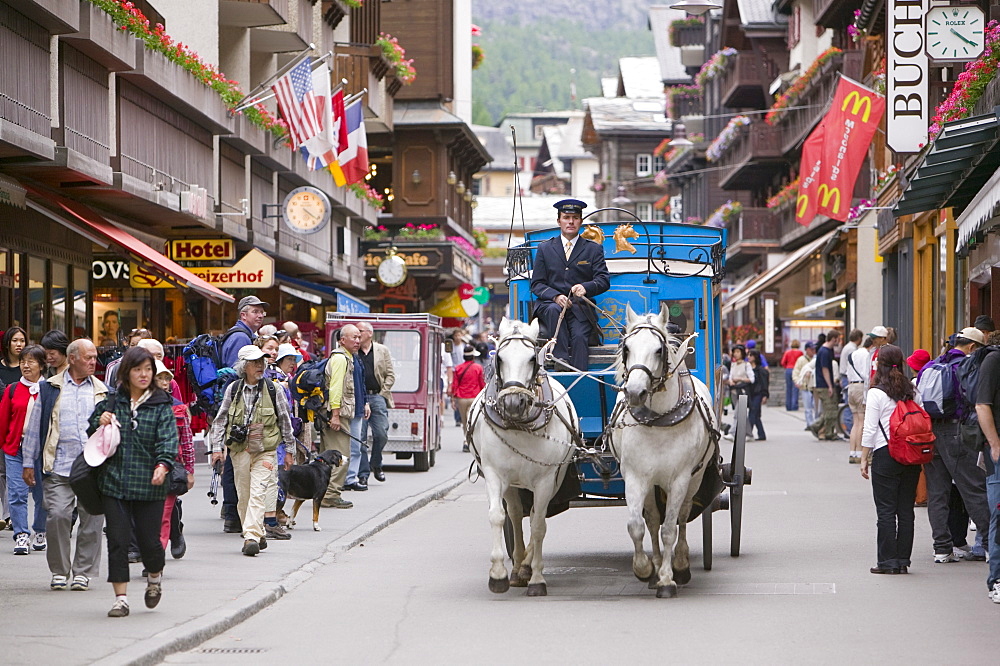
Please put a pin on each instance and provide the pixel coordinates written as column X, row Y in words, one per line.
column 252, row 420
column 379, row 378
column 57, row 429
column 347, row 406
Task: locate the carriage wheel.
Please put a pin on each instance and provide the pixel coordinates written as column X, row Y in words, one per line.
column 739, row 473
column 706, row 538
column 508, row 532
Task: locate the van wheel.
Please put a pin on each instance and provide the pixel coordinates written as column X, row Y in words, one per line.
column 433, row 456
column 421, row 461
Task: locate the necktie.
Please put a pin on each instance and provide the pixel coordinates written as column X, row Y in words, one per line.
column 569, row 249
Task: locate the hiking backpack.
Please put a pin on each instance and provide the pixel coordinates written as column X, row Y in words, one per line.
column 939, row 389
column 309, row 389
column 203, row 357
column 912, row 440
column 968, row 379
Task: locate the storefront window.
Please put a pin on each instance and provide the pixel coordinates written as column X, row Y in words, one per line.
column 79, row 302
column 36, row 298
column 60, row 284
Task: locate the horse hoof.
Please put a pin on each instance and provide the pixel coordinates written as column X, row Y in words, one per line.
column 667, row 591
column 537, row 590
column 499, row 585
column 517, row 581
column 682, row 576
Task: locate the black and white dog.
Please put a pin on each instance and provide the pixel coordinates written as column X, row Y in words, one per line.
column 309, row 482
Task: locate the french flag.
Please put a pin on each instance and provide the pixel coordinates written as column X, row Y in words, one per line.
column 354, row 160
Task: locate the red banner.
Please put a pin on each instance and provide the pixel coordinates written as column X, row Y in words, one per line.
column 837, row 149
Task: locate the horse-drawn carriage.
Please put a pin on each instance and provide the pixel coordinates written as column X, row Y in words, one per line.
column 640, row 425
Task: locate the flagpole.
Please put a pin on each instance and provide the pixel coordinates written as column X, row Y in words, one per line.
column 264, row 97
column 355, row 96
column 277, row 75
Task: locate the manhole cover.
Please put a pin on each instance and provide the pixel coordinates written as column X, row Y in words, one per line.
column 579, row 570
column 233, row 650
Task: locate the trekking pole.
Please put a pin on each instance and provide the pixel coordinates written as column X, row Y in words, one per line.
column 213, row 486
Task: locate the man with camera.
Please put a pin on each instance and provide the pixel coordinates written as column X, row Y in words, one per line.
column 252, row 421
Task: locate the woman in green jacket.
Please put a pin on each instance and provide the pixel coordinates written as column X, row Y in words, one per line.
column 132, row 479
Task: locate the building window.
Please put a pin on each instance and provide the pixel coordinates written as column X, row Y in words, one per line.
column 643, row 165
column 659, row 215
column 644, row 211
column 795, row 26
column 658, row 164
column 539, row 132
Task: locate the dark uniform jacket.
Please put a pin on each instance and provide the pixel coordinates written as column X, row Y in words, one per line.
column 553, row 275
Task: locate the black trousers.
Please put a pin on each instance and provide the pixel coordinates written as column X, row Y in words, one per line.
column 574, row 334
column 120, row 515
column 229, row 497
column 753, row 415
column 894, row 488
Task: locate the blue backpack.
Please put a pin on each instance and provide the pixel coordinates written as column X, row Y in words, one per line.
column 206, row 373
column 938, row 386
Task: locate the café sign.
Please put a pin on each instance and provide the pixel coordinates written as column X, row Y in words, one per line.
column 418, row 259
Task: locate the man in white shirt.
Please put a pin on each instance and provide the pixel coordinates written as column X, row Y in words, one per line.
column 857, row 373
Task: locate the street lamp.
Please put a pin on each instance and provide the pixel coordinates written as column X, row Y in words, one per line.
column 621, row 199
column 696, row 7
column 680, row 139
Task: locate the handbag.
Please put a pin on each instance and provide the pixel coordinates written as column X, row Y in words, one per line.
column 83, row 480
column 178, row 480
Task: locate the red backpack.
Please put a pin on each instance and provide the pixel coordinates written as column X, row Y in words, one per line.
column 912, row 440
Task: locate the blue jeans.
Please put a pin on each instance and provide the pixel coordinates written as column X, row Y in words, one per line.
column 17, row 495
column 355, row 464
column 807, row 400
column 379, row 423
column 993, row 498
column 791, row 392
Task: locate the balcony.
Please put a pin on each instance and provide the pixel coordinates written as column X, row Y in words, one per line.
column 253, row 13
column 333, row 12
column 365, row 66
column 752, row 158
column 691, row 41
column 689, row 109
column 744, row 82
column 836, row 14
column 757, row 231
column 799, row 122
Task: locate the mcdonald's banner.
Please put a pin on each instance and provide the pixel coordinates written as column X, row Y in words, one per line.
column 847, row 130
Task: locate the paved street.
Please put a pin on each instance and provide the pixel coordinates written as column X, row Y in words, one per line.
column 212, row 586
column 801, row 591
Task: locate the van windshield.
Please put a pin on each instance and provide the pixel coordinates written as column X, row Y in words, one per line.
column 405, row 349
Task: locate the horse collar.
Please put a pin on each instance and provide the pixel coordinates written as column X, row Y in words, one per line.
column 680, row 411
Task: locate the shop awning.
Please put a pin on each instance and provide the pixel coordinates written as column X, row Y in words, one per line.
column 980, row 210
column 105, row 234
column 959, row 163
column 776, row 274
column 820, row 306
column 306, row 290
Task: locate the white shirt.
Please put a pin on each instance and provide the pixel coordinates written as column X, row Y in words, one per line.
column 845, row 353
column 858, row 366
column 878, row 409
column 571, row 244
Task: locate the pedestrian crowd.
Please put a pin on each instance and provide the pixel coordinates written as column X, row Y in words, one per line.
column 131, row 434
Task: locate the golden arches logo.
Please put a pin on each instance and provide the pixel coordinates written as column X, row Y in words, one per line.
column 826, row 193
column 858, row 102
column 801, row 204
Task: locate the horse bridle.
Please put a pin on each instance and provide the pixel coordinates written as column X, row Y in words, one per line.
column 520, row 338
column 666, row 344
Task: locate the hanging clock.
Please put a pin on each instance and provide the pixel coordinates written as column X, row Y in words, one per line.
column 306, row 210
column 391, row 271
column 955, row 33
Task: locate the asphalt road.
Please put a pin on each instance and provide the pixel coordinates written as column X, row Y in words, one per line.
column 800, row 592
column 212, row 587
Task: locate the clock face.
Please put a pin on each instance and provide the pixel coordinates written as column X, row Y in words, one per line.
column 306, row 210
column 392, row 271
column 955, row 33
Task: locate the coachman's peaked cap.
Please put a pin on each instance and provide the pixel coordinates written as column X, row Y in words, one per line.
column 570, row 206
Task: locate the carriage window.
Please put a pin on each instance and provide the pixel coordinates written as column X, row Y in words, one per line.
column 682, row 314
column 405, row 349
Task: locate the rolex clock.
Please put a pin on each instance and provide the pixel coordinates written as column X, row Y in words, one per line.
column 306, row 210
column 955, row 33
column 391, row 271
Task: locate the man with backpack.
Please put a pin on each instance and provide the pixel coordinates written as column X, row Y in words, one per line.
column 987, row 401
column 940, row 392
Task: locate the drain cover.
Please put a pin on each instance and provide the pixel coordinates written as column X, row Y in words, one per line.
column 233, row 650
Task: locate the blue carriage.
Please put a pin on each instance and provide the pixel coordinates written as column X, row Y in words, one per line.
column 652, row 264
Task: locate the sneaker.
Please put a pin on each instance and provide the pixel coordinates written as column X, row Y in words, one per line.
column 21, row 544
column 58, row 582
column 38, row 542
column 134, row 557
column 276, row 532
column 80, row 583
column 944, row 558
column 977, row 554
column 251, row 547
column 152, row 595
column 995, row 593
column 262, row 543
column 120, row 609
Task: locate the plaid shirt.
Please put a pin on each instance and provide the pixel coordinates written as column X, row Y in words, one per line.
column 153, row 440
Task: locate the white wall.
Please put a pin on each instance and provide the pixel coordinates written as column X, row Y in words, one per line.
column 196, row 24
column 868, row 304
column 809, row 46
column 582, row 178
column 462, row 106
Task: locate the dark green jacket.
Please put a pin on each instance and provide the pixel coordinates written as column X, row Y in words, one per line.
column 127, row 474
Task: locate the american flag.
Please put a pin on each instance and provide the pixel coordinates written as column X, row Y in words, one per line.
column 297, row 101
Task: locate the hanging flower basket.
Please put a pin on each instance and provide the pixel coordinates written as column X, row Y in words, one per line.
column 725, row 214
column 726, row 137
column 971, row 83
column 799, row 86
column 715, row 65
column 396, row 55
column 663, row 203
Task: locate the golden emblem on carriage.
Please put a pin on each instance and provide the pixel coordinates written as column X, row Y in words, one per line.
column 622, row 234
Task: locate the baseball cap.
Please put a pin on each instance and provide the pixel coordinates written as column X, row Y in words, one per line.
column 161, row 369
column 751, row 344
column 972, row 333
column 810, row 345
column 251, row 300
column 250, row 353
column 287, row 349
column 103, row 443
column 470, row 351
column 918, row 359
column 879, row 332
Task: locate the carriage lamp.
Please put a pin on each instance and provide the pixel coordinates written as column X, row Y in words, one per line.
column 468, row 196
column 696, row 7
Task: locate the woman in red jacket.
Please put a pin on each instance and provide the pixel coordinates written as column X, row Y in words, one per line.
column 466, row 384
column 15, row 406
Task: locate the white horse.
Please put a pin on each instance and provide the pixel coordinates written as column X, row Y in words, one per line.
column 665, row 436
column 522, row 428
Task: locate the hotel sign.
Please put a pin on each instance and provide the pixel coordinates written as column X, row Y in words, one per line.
column 907, row 98
column 202, row 249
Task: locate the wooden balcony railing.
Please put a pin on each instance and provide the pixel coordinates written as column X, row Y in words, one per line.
column 752, row 158
column 744, row 82
column 757, row 230
column 813, row 102
column 687, row 105
column 689, row 35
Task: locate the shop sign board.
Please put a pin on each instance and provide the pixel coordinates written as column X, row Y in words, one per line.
column 420, row 260
column 254, row 271
column 202, row 249
column 907, row 89
column 112, row 270
column 347, row 303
